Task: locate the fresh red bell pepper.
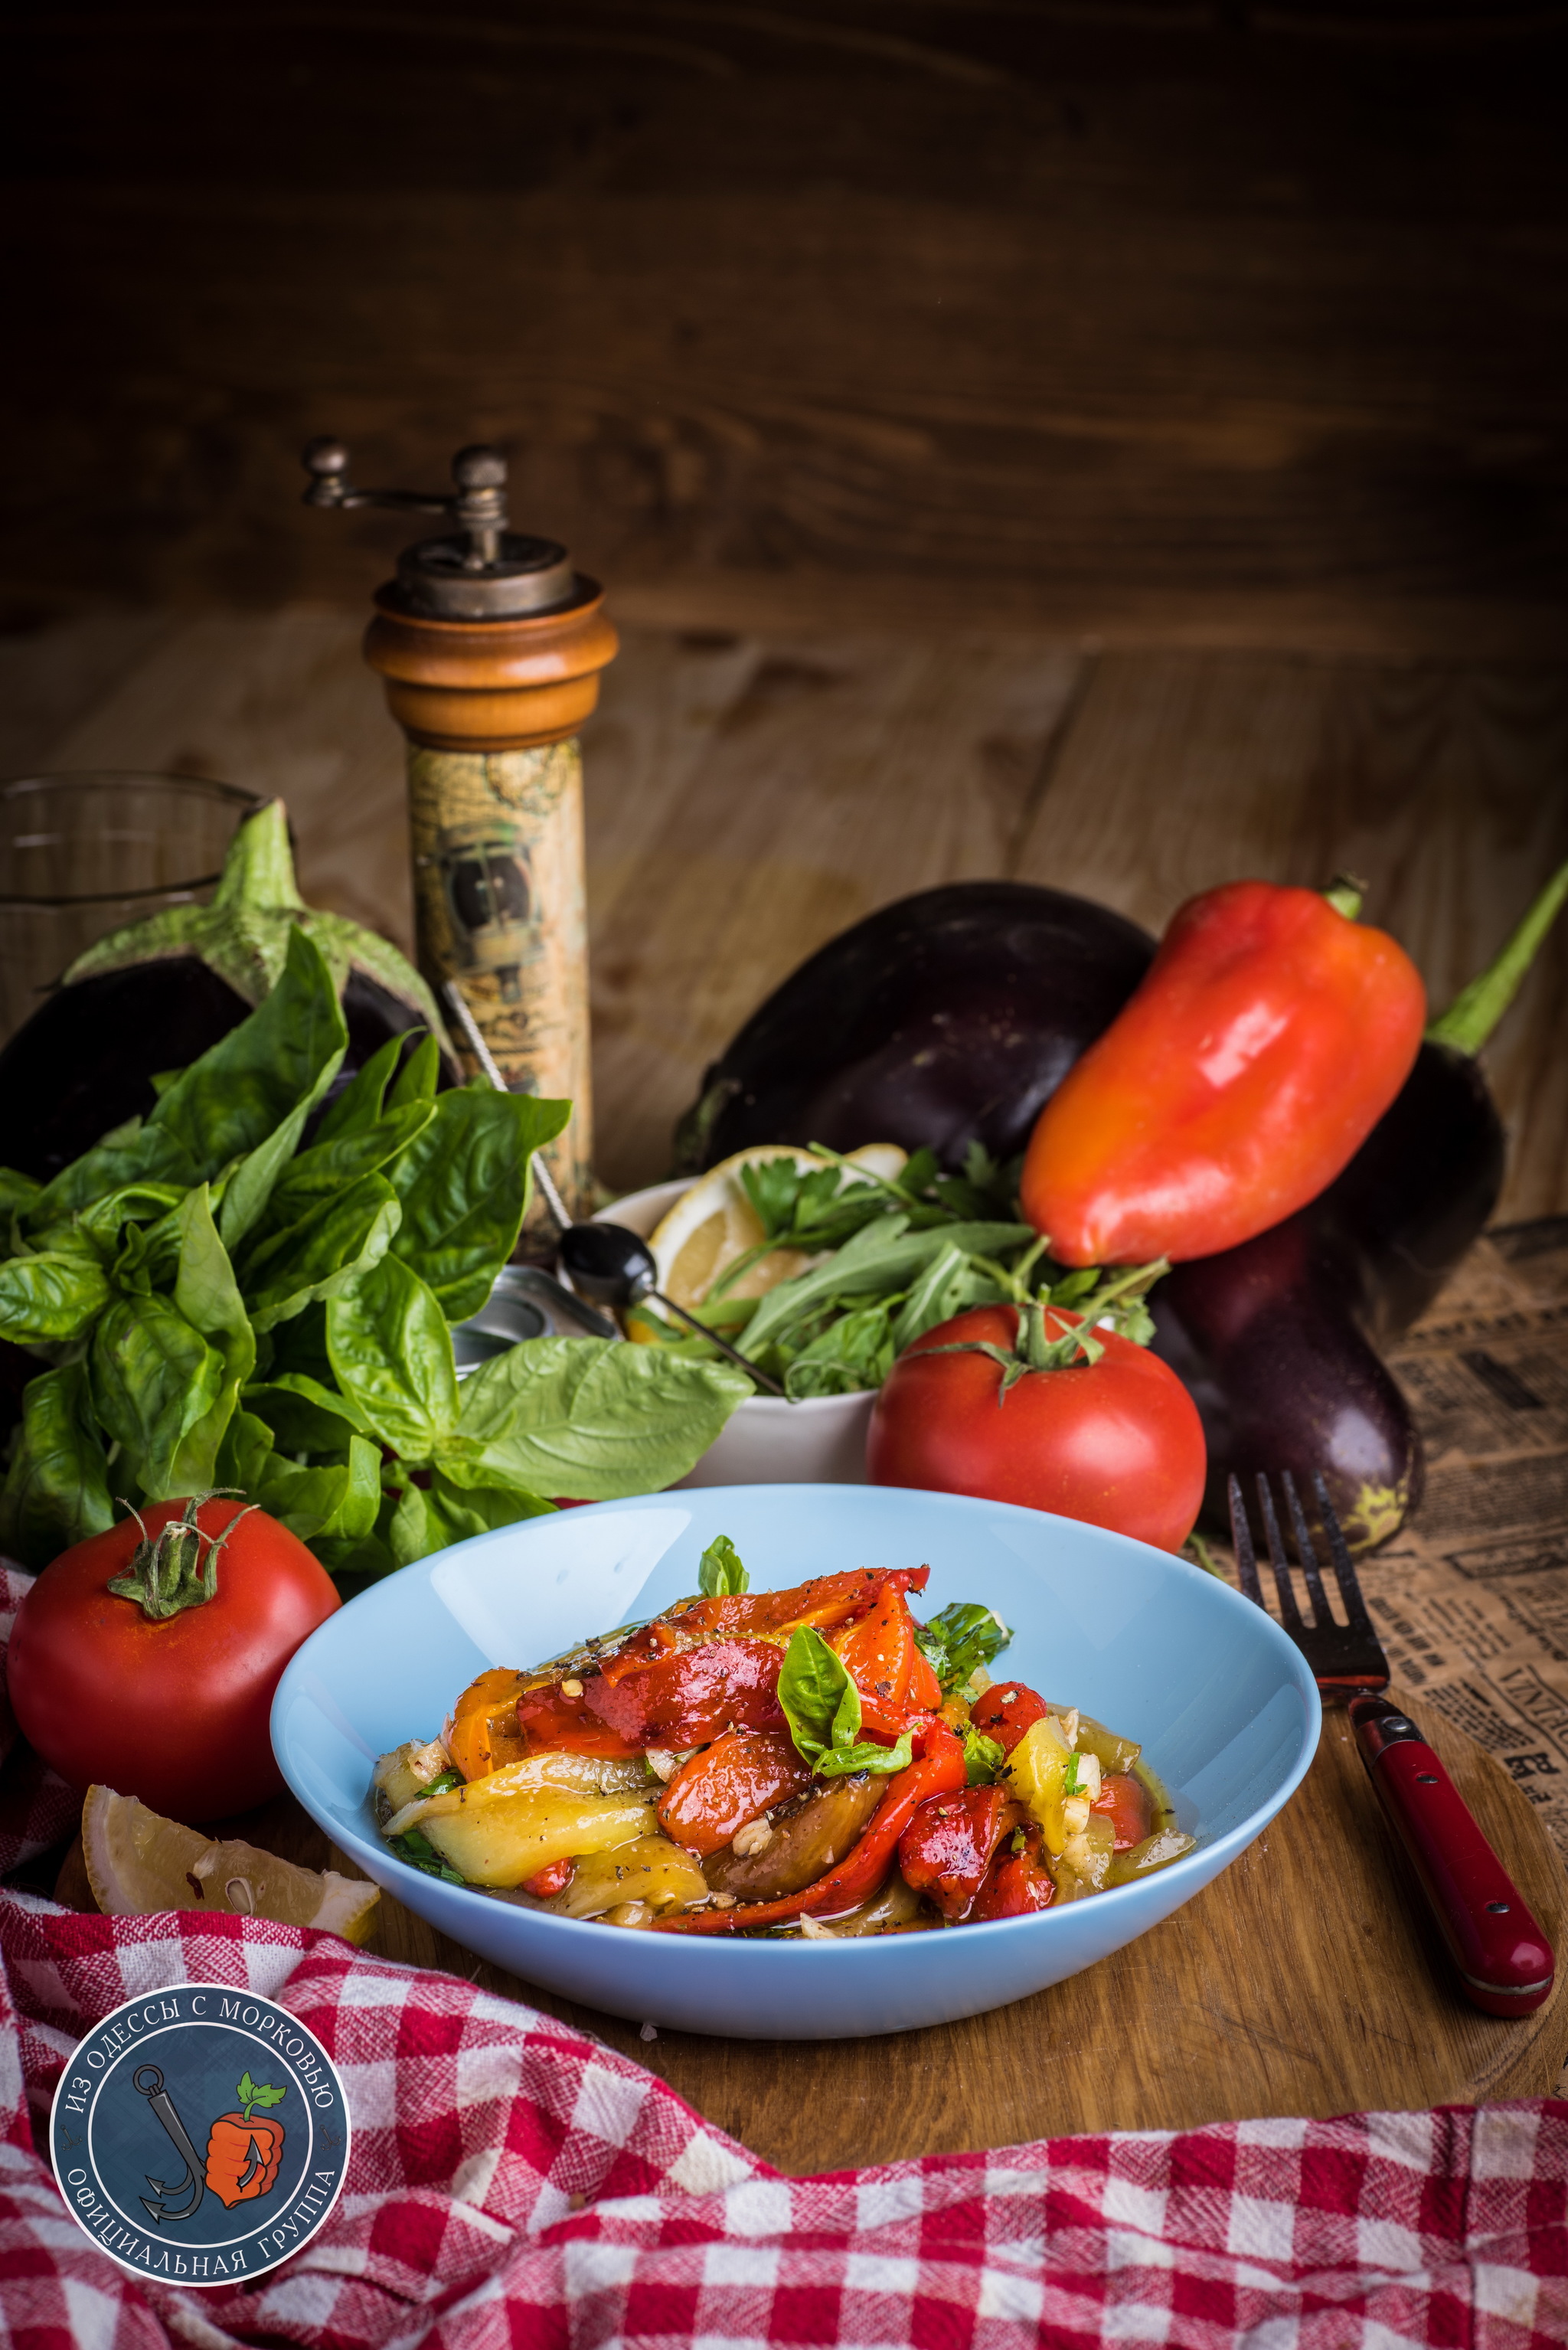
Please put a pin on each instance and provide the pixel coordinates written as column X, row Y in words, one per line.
column 936, row 1770
column 741, row 1775
column 1005, row 1710
column 947, row 1847
column 1270, row 1035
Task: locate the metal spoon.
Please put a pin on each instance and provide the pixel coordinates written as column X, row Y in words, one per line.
column 605, row 1263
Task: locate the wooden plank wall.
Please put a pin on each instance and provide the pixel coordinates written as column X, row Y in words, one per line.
column 1167, row 322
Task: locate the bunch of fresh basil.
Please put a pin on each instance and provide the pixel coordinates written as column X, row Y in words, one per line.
column 219, row 1307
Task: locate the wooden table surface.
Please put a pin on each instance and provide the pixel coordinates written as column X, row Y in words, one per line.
column 748, row 795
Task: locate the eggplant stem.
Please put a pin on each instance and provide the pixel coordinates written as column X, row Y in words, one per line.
column 1475, row 1012
column 258, row 869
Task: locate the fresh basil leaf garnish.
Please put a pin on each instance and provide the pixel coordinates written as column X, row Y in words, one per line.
column 822, row 1707
column 961, row 1637
column 719, row 1574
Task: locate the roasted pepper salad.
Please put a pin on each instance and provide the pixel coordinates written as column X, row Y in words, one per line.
column 814, row 1762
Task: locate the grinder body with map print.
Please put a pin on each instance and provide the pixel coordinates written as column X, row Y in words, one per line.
column 490, row 646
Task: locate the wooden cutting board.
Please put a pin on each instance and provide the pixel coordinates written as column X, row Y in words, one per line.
column 1306, row 1980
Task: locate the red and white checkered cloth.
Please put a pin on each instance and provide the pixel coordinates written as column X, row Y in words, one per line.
column 513, row 2182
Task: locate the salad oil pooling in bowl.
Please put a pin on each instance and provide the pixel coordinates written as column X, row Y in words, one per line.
column 811, row 1762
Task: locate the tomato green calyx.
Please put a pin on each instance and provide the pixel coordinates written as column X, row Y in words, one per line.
column 178, row 1567
column 1117, row 1304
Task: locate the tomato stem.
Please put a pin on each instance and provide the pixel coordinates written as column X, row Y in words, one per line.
column 169, row 1571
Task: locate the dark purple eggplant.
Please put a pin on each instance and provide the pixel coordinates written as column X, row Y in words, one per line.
column 1265, row 1340
column 137, row 1005
column 1274, row 1339
column 947, row 1018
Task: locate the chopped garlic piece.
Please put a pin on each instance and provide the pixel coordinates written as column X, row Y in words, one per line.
column 427, row 1763
column 755, row 1836
column 1074, row 1818
column 1067, row 1724
column 814, row 1932
column 629, row 1913
column 663, row 1761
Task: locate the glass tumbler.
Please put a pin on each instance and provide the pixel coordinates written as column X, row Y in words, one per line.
column 82, row 855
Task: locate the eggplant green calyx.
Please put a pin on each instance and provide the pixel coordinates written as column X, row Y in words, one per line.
column 1344, row 894
column 1477, row 1009
column 172, row 1570
column 1117, row 1304
column 242, row 935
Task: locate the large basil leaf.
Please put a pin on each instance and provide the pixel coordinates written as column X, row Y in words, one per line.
column 57, row 1489
column 132, row 1154
column 391, row 1355
column 822, row 1707
column 329, row 1167
column 207, row 1295
column 334, row 1245
column 592, row 1418
column 103, row 1224
column 429, row 1519
column 420, row 1075
column 155, row 1380
column 252, row 1180
column 245, row 1085
column 464, row 1185
column 303, row 1415
column 338, row 1499
column 360, row 1103
column 18, row 1192
column 53, row 1296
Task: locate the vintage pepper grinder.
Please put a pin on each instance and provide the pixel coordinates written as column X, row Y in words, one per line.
column 491, row 647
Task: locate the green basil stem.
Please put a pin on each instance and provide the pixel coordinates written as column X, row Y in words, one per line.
column 1476, row 1010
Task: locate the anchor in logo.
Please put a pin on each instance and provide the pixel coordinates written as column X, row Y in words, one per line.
column 148, row 2081
column 243, row 2154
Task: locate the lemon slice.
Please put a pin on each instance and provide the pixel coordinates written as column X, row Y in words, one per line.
column 137, row 1862
column 714, row 1223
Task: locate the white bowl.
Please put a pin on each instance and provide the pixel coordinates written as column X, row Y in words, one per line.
column 820, row 1440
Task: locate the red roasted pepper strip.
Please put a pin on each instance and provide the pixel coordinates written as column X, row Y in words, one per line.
column 936, row 1772
column 826, row 1600
column 1267, row 1040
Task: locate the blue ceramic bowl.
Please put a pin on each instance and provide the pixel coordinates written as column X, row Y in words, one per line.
column 1224, row 1705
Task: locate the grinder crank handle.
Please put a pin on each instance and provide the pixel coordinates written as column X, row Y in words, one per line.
column 1504, row 1961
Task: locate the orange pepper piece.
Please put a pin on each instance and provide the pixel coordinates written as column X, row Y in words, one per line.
column 485, row 1732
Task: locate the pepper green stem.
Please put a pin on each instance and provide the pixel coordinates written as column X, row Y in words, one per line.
column 1476, row 1010
column 1344, row 894
column 169, row 1570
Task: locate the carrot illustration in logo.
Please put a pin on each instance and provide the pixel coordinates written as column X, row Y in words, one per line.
column 244, row 2154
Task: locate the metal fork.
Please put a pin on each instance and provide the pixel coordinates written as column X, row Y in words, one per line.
column 1504, row 1961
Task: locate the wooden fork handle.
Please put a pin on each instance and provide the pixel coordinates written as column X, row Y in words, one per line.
column 1504, row 1961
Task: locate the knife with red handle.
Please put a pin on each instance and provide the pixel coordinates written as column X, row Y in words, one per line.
column 1505, row 1962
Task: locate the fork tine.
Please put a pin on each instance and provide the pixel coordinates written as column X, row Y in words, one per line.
column 1343, row 1571
column 1306, row 1552
column 1241, row 1541
column 1289, row 1615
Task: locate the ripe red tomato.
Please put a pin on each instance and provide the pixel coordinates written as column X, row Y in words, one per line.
column 1117, row 1443
column 174, row 1711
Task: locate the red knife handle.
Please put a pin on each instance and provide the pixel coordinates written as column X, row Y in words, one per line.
column 1505, row 1962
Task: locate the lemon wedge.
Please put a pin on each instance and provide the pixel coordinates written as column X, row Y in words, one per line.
column 714, row 1223
column 137, row 1862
